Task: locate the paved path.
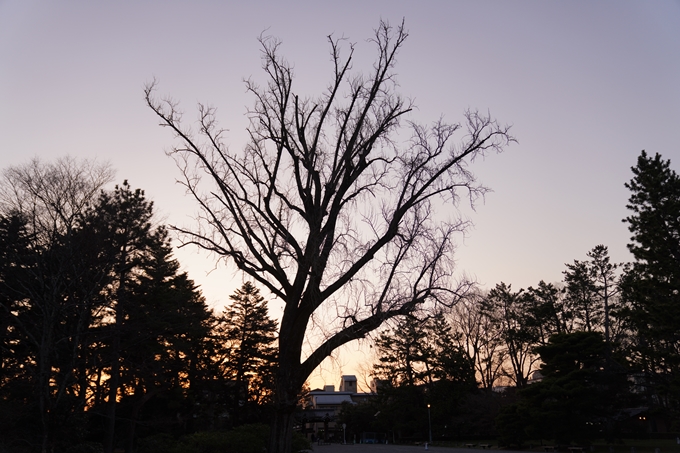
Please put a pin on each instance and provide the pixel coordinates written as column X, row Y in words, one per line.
column 367, row 448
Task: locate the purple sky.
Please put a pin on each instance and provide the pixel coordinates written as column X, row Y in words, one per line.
column 586, row 86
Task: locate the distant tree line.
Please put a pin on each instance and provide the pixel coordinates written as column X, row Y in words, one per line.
column 569, row 362
column 106, row 344
column 103, row 339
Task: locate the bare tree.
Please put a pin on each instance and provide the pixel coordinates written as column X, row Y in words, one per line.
column 59, row 284
column 481, row 337
column 50, row 196
column 327, row 206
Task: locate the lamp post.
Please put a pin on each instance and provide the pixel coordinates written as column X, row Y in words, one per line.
column 429, row 422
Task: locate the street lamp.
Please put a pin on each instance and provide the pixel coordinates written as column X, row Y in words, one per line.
column 429, row 422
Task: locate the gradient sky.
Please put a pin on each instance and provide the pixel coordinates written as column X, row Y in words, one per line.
column 586, row 85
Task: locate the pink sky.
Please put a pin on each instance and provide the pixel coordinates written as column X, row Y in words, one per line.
column 586, row 86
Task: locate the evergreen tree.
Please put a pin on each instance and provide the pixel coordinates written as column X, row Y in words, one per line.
column 652, row 287
column 509, row 310
column 582, row 296
column 404, row 354
column 17, row 382
column 422, row 364
column 578, row 395
column 546, row 311
column 165, row 336
column 154, row 323
column 95, row 317
column 122, row 221
column 249, row 354
column 593, row 289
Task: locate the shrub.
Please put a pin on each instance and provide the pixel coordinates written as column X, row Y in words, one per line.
column 243, row 439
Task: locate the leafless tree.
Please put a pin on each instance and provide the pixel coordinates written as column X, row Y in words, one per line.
column 49, row 198
column 327, row 205
column 481, row 337
column 52, row 195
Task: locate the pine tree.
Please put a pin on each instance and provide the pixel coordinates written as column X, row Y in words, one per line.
column 154, row 323
column 593, row 292
column 422, row 364
column 509, row 309
column 546, row 311
column 165, row 335
column 581, row 295
column 404, row 354
column 653, row 285
column 249, row 352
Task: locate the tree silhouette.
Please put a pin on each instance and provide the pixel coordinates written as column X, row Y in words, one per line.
column 50, row 289
column 480, row 337
column 248, row 352
column 509, row 310
column 653, row 286
column 327, row 206
column 153, row 320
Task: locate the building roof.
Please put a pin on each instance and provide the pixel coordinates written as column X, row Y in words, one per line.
column 332, row 399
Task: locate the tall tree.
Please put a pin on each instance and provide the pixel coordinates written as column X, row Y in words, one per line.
column 547, row 311
column 653, row 285
column 122, row 219
column 405, row 355
column 327, row 207
column 17, row 378
column 593, row 291
column 480, row 337
column 606, row 283
column 248, row 354
column 58, row 288
column 164, row 334
column 153, row 321
column 508, row 309
column 421, row 363
column 421, row 352
column 577, row 394
column 582, row 297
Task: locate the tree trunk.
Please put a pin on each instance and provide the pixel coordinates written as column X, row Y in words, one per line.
column 281, row 435
column 109, row 439
column 285, row 400
column 114, row 380
column 134, row 416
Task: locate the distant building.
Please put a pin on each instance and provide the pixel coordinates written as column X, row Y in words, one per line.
column 323, row 407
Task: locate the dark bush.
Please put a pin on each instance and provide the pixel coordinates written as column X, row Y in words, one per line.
column 243, row 439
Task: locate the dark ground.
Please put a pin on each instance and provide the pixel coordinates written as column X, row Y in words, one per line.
column 363, row 448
